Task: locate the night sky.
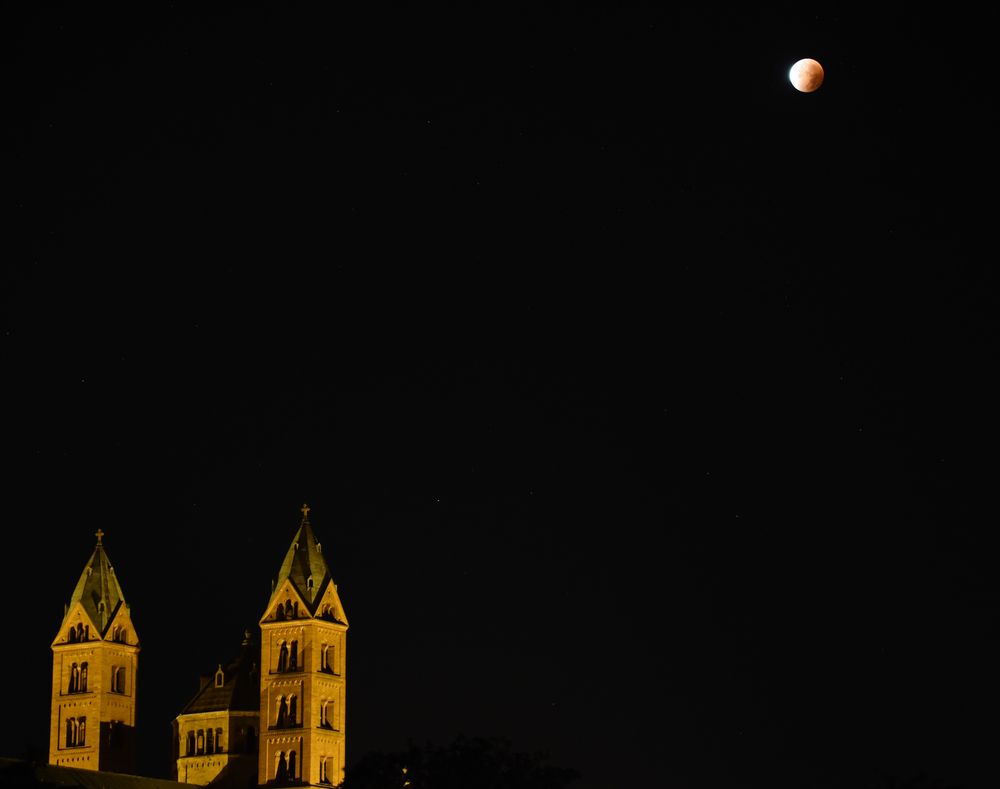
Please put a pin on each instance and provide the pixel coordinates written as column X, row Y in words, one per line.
column 646, row 407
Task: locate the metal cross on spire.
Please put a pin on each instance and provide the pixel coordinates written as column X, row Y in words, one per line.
column 98, row 534
column 305, row 512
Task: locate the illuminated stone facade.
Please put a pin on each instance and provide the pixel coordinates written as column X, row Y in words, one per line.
column 95, row 656
column 274, row 716
column 217, row 733
column 303, row 671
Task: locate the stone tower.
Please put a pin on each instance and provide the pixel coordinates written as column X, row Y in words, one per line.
column 94, row 659
column 216, row 734
column 303, row 670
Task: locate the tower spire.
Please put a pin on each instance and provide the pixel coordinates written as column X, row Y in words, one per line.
column 302, row 671
column 304, row 563
column 95, row 654
column 98, row 590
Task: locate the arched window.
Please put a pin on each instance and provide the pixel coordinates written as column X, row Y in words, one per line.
column 322, row 769
column 118, row 679
column 283, row 657
column 86, row 633
column 220, row 678
column 75, row 731
column 293, row 656
column 282, row 712
column 309, row 583
column 100, row 607
column 324, row 721
column 201, row 741
column 293, row 710
column 291, row 765
column 295, row 615
column 281, row 768
column 190, row 743
column 251, row 744
column 83, row 677
column 218, row 741
column 323, row 651
column 74, row 679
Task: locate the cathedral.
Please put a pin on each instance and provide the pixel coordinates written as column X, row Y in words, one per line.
column 274, row 715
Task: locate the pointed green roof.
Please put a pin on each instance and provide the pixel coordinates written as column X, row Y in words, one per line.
column 98, row 584
column 304, row 560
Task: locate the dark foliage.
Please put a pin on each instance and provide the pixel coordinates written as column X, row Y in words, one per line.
column 484, row 763
column 919, row 782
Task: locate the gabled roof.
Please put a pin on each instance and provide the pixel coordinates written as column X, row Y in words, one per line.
column 304, row 560
column 240, row 688
column 98, row 584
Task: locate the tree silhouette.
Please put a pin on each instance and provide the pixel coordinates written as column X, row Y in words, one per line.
column 920, row 782
column 483, row 763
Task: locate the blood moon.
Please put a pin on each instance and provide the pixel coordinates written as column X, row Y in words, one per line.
column 806, row 75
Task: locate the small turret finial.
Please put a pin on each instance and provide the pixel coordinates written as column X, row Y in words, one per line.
column 98, row 534
column 305, row 513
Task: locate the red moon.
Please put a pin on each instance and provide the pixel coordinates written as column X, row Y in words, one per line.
column 806, row 75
